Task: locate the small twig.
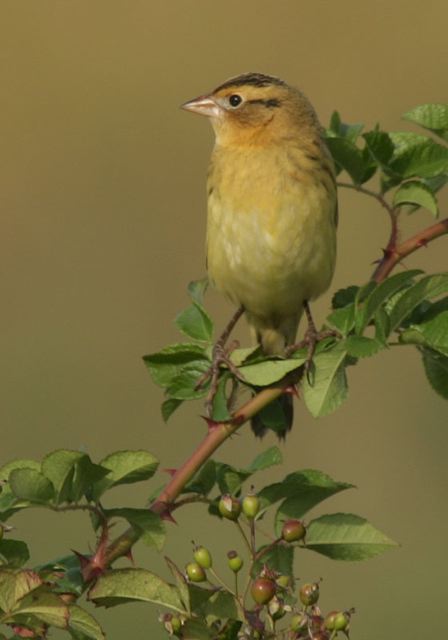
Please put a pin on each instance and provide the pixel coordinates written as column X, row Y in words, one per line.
column 246, row 541
column 368, row 192
column 420, row 239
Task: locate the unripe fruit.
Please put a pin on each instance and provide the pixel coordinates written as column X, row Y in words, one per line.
column 276, row 608
column 293, row 531
column 195, row 572
column 309, row 593
column 298, row 622
column 234, row 561
column 176, row 624
column 283, row 581
column 229, row 507
column 203, row 557
column 251, row 506
column 337, row 621
column 262, row 590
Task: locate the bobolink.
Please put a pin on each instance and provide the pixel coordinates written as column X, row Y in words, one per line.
column 272, row 203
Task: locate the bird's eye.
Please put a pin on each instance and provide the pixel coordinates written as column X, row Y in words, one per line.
column 235, row 100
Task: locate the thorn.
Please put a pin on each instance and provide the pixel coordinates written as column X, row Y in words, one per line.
column 167, row 516
column 170, row 472
column 239, row 419
column 422, row 243
column 130, row 557
column 291, row 390
column 211, row 424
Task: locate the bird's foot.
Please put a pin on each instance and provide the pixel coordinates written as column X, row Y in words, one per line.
column 220, row 357
column 310, row 341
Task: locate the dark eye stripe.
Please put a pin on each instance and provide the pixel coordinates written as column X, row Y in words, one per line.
column 270, row 103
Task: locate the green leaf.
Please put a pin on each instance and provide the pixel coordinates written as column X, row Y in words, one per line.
column 16, row 585
column 17, row 464
column 344, row 297
column 426, row 288
column 230, row 479
column 126, row 585
column 29, row 484
column 181, row 583
column 204, row 480
column 220, row 606
column 380, row 146
column 417, row 156
column 169, row 407
column 46, row 607
column 433, row 333
column 165, row 365
column 150, row 524
column 278, row 558
column 72, row 474
column 265, row 459
column 430, row 116
column 344, row 536
column 64, row 573
column 362, row 347
column 80, row 621
column 348, row 157
column 220, row 411
column 343, row 130
column 436, row 369
column 329, row 385
column 380, row 294
column 343, row 319
column 15, row 552
column 196, row 630
column 183, row 385
column 416, row 193
column 307, row 488
column 238, row 356
column 126, row 467
column 195, row 323
column 267, row 372
column 197, row 289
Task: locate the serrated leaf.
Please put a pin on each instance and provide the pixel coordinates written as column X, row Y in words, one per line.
column 220, row 410
column 72, row 474
column 380, row 294
column 430, row 116
column 278, row 558
column 238, row 356
column 168, row 407
column 436, row 369
column 418, row 156
column 265, row 459
column 151, row 526
column 433, row 333
column 80, row 621
column 197, row 288
column 348, row 157
column 126, row 467
column 25, row 463
column 343, row 130
column 204, row 480
column 344, row 297
column 220, row 606
column 267, row 372
column 343, row 319
column 183, row 385
column 64, row 573
column 46, row 607
column 166, row 364
column 362, row 347
column 14, row 552
column 345, row 536
column 229, row 478
column 309, row 487
column 196, row 630
column 380, row 146
column 195, row 323
column 426, row 288
column 31, row 485
column 416, row 193
column 329, row 384
column 16, row 585
column 181, row 584
column 125, row 585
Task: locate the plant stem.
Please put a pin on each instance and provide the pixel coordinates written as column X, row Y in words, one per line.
column 246, row 541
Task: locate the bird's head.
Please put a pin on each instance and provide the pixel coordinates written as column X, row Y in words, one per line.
column 255, row 109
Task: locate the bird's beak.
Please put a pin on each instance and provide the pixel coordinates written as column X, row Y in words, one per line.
column 204, row 105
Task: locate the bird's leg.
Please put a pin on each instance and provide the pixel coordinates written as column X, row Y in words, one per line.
column 311, row 339
column 220, row 355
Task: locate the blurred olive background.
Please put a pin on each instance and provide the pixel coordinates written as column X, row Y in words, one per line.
column 102, row 226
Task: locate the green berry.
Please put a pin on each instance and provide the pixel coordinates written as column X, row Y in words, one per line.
column 195, row 572
column 251, row 506
column 229, row 507
column 203, row 557
column 176, row 624
column 309, row 593
column 337, row 621
column 293, row 531
column 283, row 581
column 298, row 622
column 234, row 561
column 262, row 590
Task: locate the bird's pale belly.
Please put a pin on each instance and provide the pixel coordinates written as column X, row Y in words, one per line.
column 272, row 263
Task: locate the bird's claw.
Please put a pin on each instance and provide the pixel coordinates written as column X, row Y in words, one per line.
column 310, row 341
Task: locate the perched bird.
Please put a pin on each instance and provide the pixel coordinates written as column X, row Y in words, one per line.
column 272, row 205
